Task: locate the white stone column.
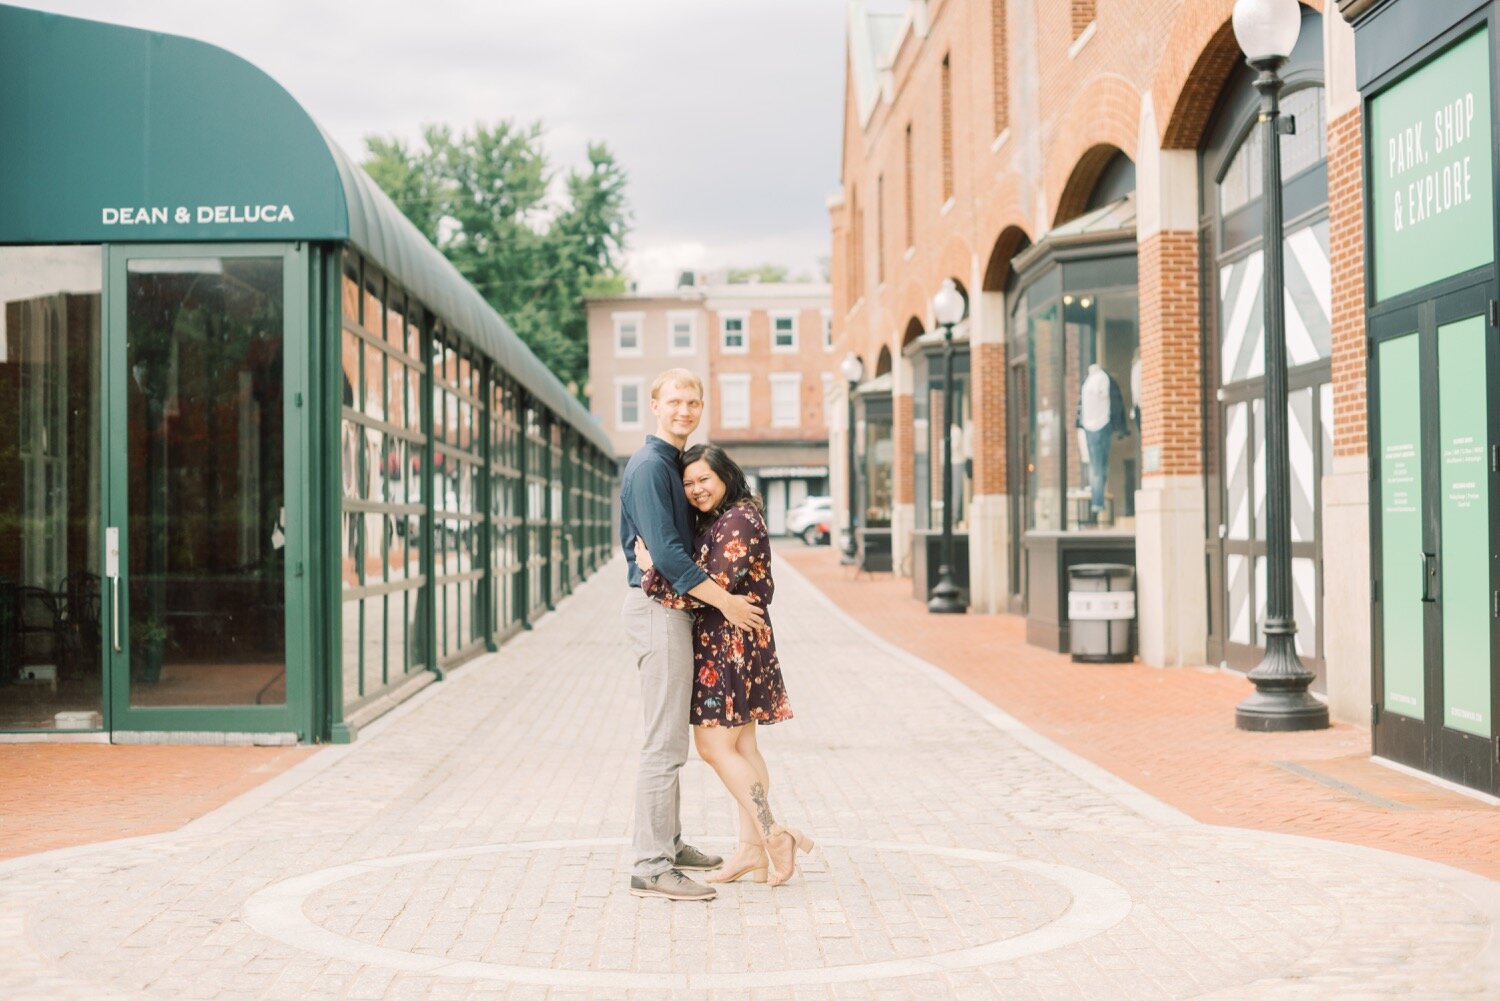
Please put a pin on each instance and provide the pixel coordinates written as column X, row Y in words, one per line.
column 1346, row 598
column 1171, row 588
column 838, row 456
column 903, row 513
column 1346, row 487
column 989, row 514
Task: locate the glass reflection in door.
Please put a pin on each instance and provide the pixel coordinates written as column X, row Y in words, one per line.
column 50, row 670
column 205, row 530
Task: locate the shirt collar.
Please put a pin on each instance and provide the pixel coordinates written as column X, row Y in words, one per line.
column 663, row 446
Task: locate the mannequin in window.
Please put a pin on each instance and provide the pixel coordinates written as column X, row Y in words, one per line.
column 1101, row 416
column 1135, row 390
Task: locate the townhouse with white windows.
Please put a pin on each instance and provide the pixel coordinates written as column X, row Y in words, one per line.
column 765, row 354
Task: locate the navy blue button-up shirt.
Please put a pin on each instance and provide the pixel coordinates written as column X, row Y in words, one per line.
column 654, row 507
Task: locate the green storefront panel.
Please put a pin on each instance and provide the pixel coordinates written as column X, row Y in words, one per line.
column 1401, row 514
column 1432, row 193
column 1463, row 407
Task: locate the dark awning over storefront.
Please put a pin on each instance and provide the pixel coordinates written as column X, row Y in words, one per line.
column 116, row 135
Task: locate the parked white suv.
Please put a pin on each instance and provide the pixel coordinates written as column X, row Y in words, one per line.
column 803, row 519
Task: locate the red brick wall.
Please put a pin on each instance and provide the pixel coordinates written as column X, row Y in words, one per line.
column 1171, row 383
column 987, row 362
column 810, row 360
column 999, row 68
column 905, row 447
column 1346, row 250
column 1083, row 15
column 947, row 127
column 1073, row 112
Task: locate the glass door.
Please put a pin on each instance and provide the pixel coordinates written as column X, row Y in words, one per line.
column 203, row 556
column 1436, row 605
column 50, row 544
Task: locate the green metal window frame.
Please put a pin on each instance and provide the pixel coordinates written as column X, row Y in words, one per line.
column 387, row 358
column 296, row 714
column 460, row 572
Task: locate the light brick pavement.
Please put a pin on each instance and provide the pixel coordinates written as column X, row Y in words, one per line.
column 472, row 845
column 1172, row 733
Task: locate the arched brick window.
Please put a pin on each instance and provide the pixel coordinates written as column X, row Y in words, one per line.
column 1083, row 15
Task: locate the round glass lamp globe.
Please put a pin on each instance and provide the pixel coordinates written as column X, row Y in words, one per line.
column 852, row 368
column 948, row 304
column 1267, row 29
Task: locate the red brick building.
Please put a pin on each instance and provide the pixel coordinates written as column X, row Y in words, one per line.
column 1088, row 174
column 765, row 355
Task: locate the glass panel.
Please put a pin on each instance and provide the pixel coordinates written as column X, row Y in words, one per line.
column 922, row 457
column 960, row 444
column 1242, row 339
column 1237, row 470
column 879, row 452
column 1308, row 145
column 50, row 543
column 1305, row 605
column 1258, row 466
column 1046, row 485
column 1244, row 181
column 1302, row 438
column 375, row 666
column 1308, row 306
column 352, row 643
column 207, row 591
column 1237, row 572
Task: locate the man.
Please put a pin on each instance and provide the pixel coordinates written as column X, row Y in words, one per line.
column 654, row 507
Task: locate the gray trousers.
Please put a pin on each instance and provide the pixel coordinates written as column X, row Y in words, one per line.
column 661, row 639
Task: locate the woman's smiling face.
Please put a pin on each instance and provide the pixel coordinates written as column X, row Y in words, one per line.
column 705, row 491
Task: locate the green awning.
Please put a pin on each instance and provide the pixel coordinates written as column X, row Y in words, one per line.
column 117, row 135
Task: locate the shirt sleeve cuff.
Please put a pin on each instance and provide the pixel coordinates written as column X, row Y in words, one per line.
column 690, row 580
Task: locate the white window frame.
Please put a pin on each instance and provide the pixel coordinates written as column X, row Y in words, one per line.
column 639, row 319
column 724, row 344
column 827, row 330
column 726, row 419
column 675, row 317
column 621, row 384
column 784, row 314
column 793, row 379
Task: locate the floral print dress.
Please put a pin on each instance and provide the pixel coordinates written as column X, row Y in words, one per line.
column 737, row 678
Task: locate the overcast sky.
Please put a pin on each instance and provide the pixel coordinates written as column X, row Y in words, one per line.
column 725, row 113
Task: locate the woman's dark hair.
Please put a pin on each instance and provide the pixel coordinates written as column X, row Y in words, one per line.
column 736, row 487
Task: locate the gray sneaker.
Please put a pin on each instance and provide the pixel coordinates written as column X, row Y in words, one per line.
column 671, row 884
column 690, row 858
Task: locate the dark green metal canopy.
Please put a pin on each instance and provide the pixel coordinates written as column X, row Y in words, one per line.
column 116, row 135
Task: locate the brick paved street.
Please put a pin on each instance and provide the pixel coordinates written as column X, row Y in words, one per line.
column 1172, row 734
column 472, row 844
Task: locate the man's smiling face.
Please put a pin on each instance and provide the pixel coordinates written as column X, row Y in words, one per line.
column 678, row 410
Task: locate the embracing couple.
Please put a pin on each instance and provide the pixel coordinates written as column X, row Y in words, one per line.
column 700, row 585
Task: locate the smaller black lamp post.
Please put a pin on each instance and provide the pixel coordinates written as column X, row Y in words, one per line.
column 1267, row 31
column 947, row 309
column 852, row 369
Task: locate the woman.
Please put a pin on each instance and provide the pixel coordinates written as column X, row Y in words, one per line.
column 737, row 681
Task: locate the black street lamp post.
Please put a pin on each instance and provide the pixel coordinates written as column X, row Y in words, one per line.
column 1267, row 31
column 947, row 309
column 853, row 370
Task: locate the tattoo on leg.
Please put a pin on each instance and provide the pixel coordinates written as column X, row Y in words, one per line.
column 762, row 808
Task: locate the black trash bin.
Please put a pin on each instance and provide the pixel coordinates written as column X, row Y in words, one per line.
column 1101, row 611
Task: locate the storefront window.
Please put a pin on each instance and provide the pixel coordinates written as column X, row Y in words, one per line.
column 50, row 647
column 877, row 449
column 1076, row 386
column 1045, row 485
column 1102, row 369
column 928, row 415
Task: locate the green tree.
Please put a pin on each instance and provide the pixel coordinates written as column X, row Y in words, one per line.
column 532, row 246
column 760, row 273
